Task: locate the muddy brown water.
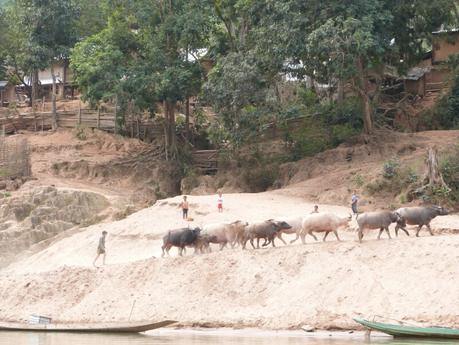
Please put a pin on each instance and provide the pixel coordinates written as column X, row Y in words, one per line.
column 197, row 338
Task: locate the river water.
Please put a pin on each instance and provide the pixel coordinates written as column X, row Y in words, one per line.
column 201, row 338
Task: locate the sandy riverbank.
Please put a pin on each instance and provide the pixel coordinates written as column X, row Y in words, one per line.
column 319, row 284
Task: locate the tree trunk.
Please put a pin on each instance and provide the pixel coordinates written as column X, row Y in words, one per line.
column 340, row 91
column 433, row 176
column 187, row 118
column 35, row 87
column 171, row 140
column 366, row 102
column 53, row 99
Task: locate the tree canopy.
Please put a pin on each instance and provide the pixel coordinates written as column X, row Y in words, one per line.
column 142, row 52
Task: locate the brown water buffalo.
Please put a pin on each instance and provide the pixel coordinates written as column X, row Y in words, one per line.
column 266, row 230
column 322, row 222
column 418, row 216
column 376, row 220
column 180, row 238
column 224, row 233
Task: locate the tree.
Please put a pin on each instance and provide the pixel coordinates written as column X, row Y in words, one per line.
column 144, row 54
column 348, row 39
column 51, row 28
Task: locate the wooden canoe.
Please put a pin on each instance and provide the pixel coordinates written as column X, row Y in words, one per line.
column 411, row 331
column 104, row 327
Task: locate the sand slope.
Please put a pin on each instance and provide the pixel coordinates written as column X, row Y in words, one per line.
column 320, row 284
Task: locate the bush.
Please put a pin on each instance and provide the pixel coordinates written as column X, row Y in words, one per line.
column 396, row 180
column 391, row 168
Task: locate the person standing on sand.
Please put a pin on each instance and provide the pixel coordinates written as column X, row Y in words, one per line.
column 316, row 209
column 220, row 202
column 354, row 201
column 185, row 206
column 101, row 249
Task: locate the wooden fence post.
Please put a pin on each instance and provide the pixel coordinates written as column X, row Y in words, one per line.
column 98, row 117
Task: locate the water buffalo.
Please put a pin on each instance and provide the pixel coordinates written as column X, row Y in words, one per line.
column 224, row 233
column 376, row 220
column 266, row 230
column 322, row 222
column 180, row 238
column 295, row 226
column 418, row 216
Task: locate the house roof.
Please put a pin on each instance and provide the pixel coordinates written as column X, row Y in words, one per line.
column 416, row 73
column 3, row 83
column 44, row 81
column 443, row 31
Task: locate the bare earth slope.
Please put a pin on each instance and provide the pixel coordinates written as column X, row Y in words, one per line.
column 320, row 284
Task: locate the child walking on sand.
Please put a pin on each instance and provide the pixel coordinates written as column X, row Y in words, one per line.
column 220, row 203
column 184, row 205
column 101, row 249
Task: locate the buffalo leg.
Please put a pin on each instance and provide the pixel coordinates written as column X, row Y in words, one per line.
column 430, row 230
column 303, row 238
column 360, row 235
column 162, row 255
column 325, row 236
column 388, row 232
column 296, row 238
column 272, row 241
column 314, row 236
column 336, row 234
column 279, row 236
column 251, row 242
column 380, row 232
column 419, row 229
column 397, row 227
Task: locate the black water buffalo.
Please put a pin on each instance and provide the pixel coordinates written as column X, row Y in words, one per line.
column 180, row 238
column 418, row 216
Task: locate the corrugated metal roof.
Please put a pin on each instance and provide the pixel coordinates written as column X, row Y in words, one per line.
column 416, row 73
column 443, row 31
column 44, row 81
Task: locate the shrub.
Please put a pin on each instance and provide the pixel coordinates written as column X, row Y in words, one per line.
column 391, row 168
column 358, row 180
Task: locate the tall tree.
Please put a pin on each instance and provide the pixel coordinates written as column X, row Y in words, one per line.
column 51, row 25
column 348, row 39
column 144, row 51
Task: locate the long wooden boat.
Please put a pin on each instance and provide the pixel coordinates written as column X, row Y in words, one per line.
column 411, row 331
column 108, row 327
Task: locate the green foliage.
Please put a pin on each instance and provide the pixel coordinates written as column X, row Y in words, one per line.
column 396, row 180
column 358, row 180
column 80, row 133
column 391, row 168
